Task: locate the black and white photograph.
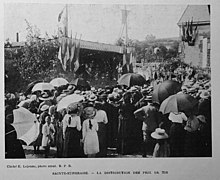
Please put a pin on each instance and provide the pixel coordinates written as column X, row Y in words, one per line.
column 107, row 81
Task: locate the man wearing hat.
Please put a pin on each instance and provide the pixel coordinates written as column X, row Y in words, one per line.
column 149, row 115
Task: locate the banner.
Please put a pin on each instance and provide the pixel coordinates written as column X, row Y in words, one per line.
column 62, row 23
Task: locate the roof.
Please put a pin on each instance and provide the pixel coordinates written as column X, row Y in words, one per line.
column 86, row 45
column 100, row 46
column 199, row 13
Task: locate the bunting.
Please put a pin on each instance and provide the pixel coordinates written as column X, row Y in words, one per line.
column 188, row 33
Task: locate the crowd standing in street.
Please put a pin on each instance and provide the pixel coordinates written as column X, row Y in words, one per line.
column 125, row 119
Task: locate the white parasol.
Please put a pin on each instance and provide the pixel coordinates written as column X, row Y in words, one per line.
column 24, row 121
column 66, row 101
column 42, row 87
column 57, row 82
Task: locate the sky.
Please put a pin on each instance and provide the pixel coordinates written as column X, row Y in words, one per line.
column 95, row 22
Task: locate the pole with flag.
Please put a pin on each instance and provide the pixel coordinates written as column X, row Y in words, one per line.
column 64, row 50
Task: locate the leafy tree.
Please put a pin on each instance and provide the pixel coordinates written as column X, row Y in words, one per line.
column 39, row 58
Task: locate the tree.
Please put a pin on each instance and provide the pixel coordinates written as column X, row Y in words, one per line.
column 150, row 38
column 39, row 56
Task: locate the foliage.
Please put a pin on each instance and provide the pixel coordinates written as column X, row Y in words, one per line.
column 145, row 49
column 39, row 56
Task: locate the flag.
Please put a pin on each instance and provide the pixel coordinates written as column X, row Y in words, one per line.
column 191, row 28
column 60, row 15
column 183, row 33
column 124, row 55
column 63, row 54
column 62, row 23
column 67, row 54
column 72, row 52
column 194, row 35
column 76, row 63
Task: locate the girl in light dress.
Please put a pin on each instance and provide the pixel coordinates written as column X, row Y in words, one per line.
column 48, row 132
column 90, row 137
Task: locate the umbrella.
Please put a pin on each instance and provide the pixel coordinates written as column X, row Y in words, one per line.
column 164, row 90
column 32, row 134
column 81, row 83
column 42, row 87
column 24, row 120
column 57, row 82
column 178, row 103
column 131, row 79
column 30, row 86
column 66, row 101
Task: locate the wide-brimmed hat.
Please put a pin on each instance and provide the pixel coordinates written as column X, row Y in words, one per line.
column 33, row 97
column 70, row 89
column 201, row 118
column 45, row 96
column 89, row 112
column 92, row 97
column 77, row 92
column 44, row 107
column 159, row 134
column 204, row 95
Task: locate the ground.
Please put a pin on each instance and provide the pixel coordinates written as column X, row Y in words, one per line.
column 29, row 152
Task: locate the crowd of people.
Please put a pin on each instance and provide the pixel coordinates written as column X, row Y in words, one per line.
column 118, row 118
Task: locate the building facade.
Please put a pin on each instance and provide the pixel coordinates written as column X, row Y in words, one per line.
column 194, row 26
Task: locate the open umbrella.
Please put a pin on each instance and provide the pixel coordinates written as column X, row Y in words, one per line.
column 178, row 103
column 42, row 87
column 66, row 101
column 164, row 90
column 131, row 79
column 81, row 83
column 57, row 82
column 24, row 120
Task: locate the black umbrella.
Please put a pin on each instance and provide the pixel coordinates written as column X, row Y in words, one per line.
column 164, row 90
column 131, row 79
column 178, row 103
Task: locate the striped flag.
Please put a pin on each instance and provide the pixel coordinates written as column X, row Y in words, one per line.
column 63, row 54
column 72, row 52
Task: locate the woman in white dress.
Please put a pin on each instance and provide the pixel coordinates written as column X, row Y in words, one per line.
column 90, row 137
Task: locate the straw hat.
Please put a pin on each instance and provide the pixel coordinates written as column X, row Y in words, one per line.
column 44, row 107
column 92, row 97
column 70, row 89
column 45, row 96
column 159, row 134
column 205, row 95
column 33, row 97
column 201, row 118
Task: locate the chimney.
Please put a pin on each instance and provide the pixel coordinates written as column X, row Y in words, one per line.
column 17, row 37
